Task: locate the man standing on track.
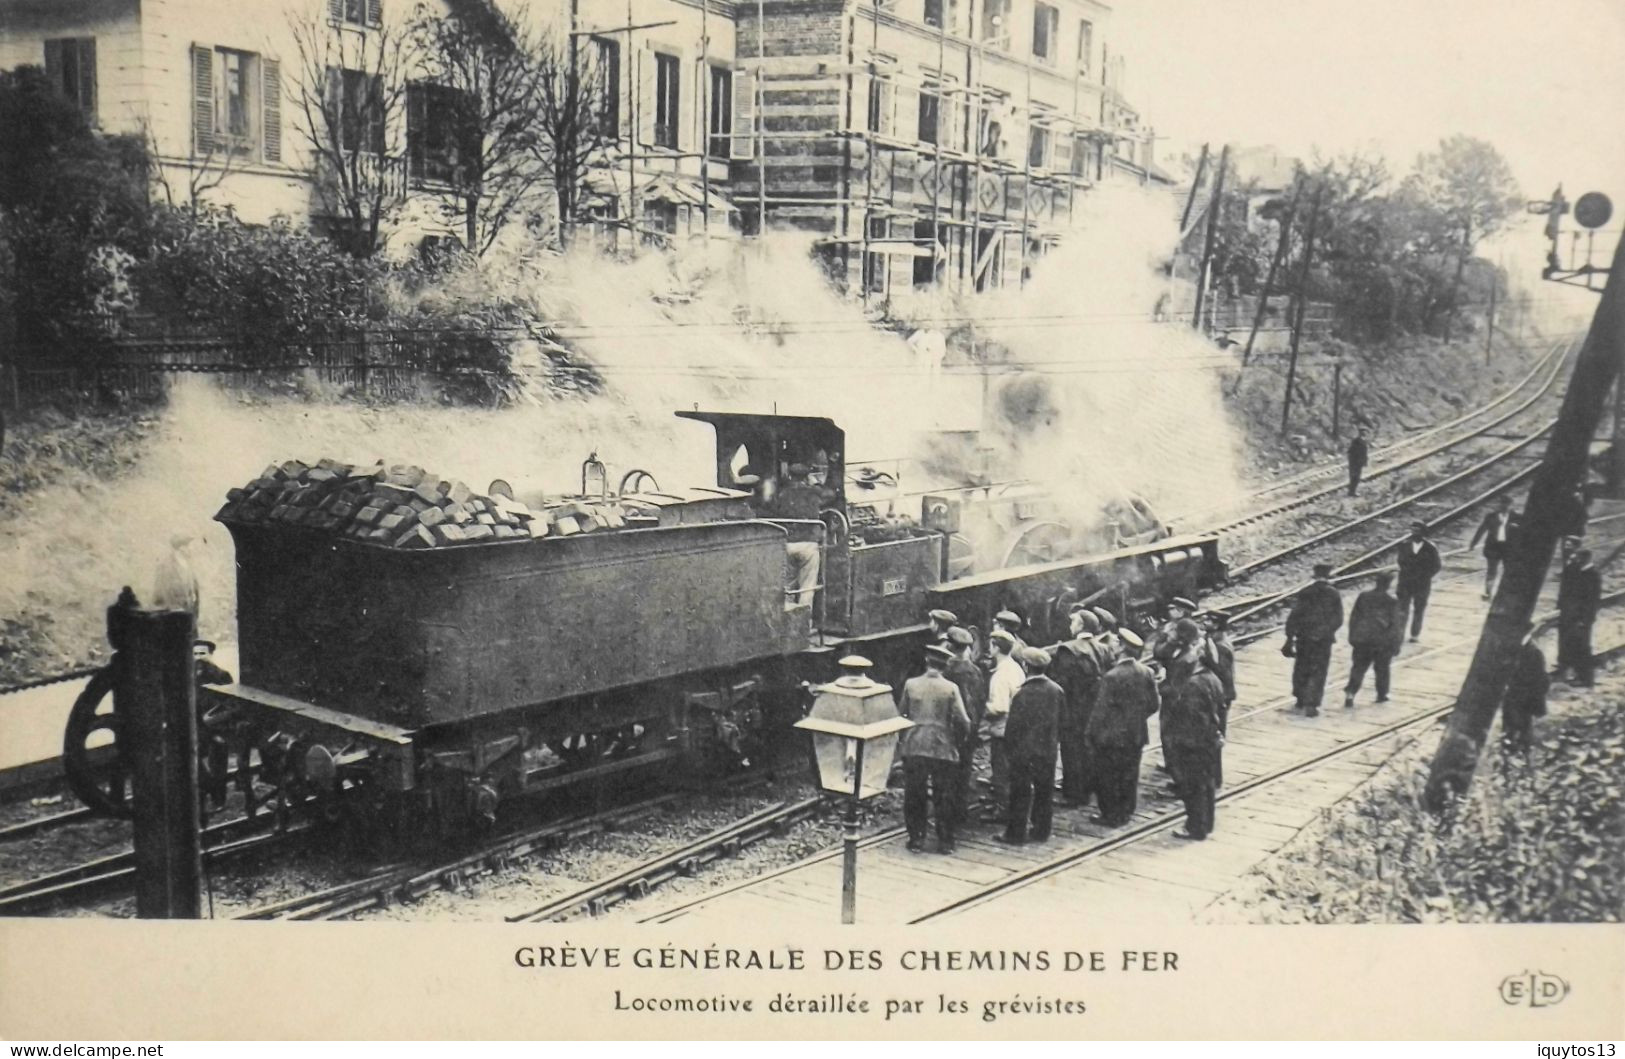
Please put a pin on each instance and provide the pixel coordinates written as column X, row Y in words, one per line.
column 1525, row 697
column 1222, row 660
column 1496, row 532
column 1002, row 686
column 1359, row 452
column 1419, row 563
column 1031, row 741
column 1076, row 666
column 1376, row 628
column 1191, row 739
column 1117, row 732
column 1311, row 630
column 1579, row 594
column 930, row 750
column 968, row 677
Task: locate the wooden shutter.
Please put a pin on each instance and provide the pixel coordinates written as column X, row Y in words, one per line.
column 335, row 10
column 53, row 63
column 1063, row 152
column 271, row 109
column 742, row 144
column 644, row 58
column 375, row 12
column 202, row 98
column 87, row 77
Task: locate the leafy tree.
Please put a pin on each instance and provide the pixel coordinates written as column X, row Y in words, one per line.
column 1471, row 186
column 493, row 63
column 73, row 203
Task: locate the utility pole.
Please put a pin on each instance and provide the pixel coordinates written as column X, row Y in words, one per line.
column 1303, row 292
column 1563, row 466
column 1212, row 235
column 1275, row 266
column 1196, row 183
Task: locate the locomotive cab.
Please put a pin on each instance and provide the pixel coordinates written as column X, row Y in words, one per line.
column 874, row 576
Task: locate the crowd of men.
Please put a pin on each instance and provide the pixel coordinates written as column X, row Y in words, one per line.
column 990, row 728
column 993, row 726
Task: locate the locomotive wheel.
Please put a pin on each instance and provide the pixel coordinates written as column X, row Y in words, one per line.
column 103, row 785
column 1036, row 542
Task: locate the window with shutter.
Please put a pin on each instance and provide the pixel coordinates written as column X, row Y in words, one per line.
column 1037, row 146
column 202, row 99
column 668, row 75
column 70, row 67
column 930, row 112
column 720, row 127
column 1046, row 27
column 271, row 109
column 361, row 111
column 439, row 133
column 744, row 116
column 644, row 78
column 607, row 66
column 1086, row 47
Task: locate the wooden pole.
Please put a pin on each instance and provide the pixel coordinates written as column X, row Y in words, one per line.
column 1275, row 265
column 1303, row 291
column 157, row 700
column 1196, row 182
column 1562, row 467
column 1212, row 235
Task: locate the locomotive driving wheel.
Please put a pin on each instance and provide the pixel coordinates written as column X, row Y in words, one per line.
column 98, row 775
column 1036, row 542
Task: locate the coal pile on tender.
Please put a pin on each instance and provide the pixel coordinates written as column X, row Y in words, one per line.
column 404, row 506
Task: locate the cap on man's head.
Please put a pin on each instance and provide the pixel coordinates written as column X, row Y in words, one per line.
column 799, row 470
column 945, row 617
column 1419, row 527
column 938, row 653
column 1183, row 603
column 1034, row 658
column 1087, row 619
column 1218, row 619
column 1385, row 578
column 1107, row 618
column 1000, row 636
column 1132, row 638
column 1009, row 617
column 961, row 636
column 1187, row 631
column 1323, row 569
column 207, row 645
column 854, row 662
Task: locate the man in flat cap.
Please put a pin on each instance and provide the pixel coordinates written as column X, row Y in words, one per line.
column 1525, row 696
column 1002, row 686
column 1419, row 562
column 1031, row 741
column 1311, row 630
column 799, row 499
column 1161, row 646
column 940, row 621
column 930, row 749
column 968, row 677
column 1107, row 637
column 1222, row 660
column 1191, row 741
column 1010, row 622
column 1376, row 628
column 1117, row 731
column 1076, row 665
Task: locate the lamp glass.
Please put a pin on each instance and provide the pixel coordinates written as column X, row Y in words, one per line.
column 877, row 760
column 837, row 760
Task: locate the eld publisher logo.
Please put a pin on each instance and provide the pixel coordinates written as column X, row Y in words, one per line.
column 1537, row 990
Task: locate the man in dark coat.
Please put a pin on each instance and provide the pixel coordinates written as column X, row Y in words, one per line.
column 1572, row 514
column 971, row 681
column 1222, row 660
column 1076, row 666
column 1419, row 562
column 1178, row 660
column 1376, row 628
column 1311, row 630
column 1117, row 731
column 930, row 749
column 1359, row 452
column 1496, row 532
column 1525, row 697
column 1031, row 740
column 1579, row 594
column 1190, row 721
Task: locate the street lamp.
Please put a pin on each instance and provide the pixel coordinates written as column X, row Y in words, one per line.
column 854, row 725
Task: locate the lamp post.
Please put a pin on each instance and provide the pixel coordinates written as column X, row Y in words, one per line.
column 854, row 725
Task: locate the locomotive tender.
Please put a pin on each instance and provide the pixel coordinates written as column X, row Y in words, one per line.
column 436, row 683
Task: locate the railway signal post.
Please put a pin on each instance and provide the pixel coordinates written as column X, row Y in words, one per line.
column 156, row 697
column 1562, row 468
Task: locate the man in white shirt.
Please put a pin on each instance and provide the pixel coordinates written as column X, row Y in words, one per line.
column 1001, row 689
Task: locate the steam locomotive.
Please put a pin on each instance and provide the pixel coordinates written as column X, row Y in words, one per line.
column 434, row 684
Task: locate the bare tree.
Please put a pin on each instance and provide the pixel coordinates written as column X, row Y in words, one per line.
column 349, row 95
column 486, row 63
column 205, row 170
column 575, row 130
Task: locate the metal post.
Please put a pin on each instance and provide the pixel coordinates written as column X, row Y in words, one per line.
column 1303, row 291
column 849, row 861
column 156, row 697
column 1337, row 394
column 1212, row 235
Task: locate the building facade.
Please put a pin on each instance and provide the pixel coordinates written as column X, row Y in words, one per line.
column 924, row 142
